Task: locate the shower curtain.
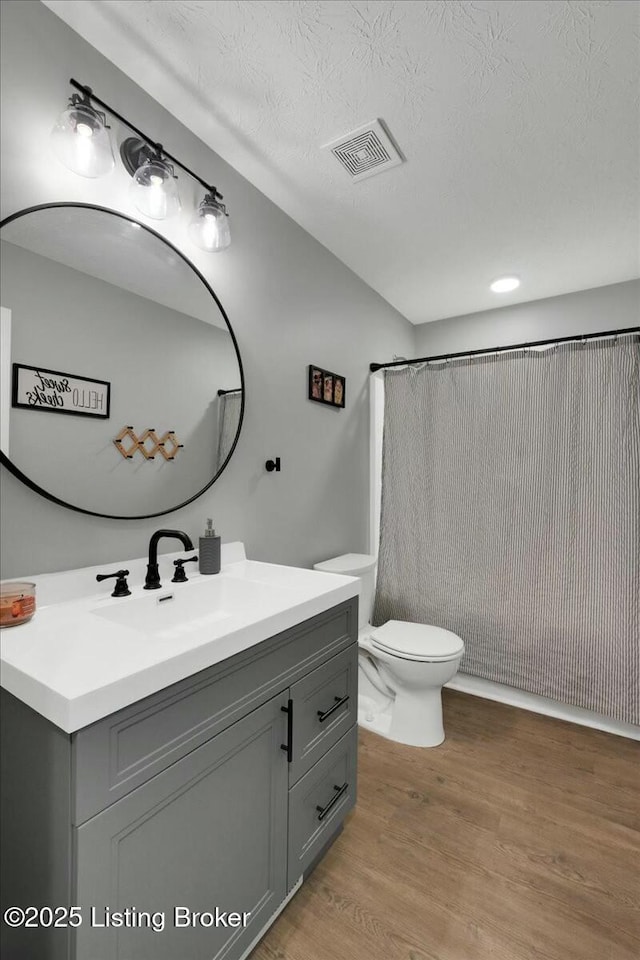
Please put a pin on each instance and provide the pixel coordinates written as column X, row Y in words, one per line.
column 228, row 419
column 511, row 516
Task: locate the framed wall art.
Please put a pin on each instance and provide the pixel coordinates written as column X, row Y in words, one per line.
column 35, row 388
column 326, row 387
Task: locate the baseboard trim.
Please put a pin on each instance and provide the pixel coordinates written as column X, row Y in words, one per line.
column 490, row 690
column 274, row 916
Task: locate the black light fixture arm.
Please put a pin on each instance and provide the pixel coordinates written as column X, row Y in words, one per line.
column 157, row 147
column 75, row 99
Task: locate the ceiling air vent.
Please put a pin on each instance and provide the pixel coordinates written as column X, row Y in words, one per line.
column 365, row 151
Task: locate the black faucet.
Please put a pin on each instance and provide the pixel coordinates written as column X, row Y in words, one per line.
column 152, row 580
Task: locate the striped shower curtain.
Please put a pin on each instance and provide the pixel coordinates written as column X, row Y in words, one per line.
column 230, row 407
column 511, row 515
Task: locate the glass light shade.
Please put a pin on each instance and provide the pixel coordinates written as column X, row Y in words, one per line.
column 209, row 227
column 154, row 190
column 81, row 142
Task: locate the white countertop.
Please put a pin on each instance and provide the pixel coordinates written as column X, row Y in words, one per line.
column 85, row 654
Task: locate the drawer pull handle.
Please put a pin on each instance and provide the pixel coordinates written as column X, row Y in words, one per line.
column 339, row 701
column 323, row 811
column 288, row 746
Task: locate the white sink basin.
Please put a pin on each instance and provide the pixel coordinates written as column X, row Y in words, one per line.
column 86, row 654
column 183, row 609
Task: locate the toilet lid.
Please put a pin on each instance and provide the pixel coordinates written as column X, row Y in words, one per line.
column 352, row 564
column 417, row 641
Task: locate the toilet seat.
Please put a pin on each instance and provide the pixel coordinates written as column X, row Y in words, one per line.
column 417, row 641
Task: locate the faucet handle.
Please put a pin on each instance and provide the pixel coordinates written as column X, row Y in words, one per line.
column 121, row 588
column 180, row 576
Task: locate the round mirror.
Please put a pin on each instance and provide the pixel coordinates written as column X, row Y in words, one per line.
column 121, row 376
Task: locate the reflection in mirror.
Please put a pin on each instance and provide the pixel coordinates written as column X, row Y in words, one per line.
column 125, row 326
column 228, row 422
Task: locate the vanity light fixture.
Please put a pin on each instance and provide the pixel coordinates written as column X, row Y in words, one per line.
column 81, row 142
column 209, row 226
column 505, row 284
column 154, row 190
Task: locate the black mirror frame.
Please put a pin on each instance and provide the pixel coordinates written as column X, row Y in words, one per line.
column 12, row 468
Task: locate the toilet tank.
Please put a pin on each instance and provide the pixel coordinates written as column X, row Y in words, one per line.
column 363, row 566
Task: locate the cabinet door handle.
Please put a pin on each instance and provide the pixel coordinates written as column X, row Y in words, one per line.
column 288, row 746
column 327, row 713
column 323, row 811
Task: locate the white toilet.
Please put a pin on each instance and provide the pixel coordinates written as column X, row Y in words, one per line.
column 402, row 667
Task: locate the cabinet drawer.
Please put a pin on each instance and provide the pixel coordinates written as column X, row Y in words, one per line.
column 325, row 705
column 319, row 801
column 116, row 755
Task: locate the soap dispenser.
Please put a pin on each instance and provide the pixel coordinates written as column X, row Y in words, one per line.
column 209, row 550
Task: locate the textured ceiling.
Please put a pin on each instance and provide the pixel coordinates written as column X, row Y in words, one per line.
column 518, row 120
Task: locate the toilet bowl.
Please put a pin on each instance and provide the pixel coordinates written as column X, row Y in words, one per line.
column 402, row 666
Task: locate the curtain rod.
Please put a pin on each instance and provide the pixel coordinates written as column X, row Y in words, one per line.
column 516, row 346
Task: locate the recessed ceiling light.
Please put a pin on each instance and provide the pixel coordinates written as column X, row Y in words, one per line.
column 505, row 284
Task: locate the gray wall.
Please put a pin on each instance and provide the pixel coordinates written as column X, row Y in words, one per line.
column 289, row 300
column 587, row 311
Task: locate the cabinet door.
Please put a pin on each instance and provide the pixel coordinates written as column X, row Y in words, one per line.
column 209, row 831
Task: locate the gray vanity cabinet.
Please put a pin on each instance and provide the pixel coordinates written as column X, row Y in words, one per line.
column 219, row 791
column 209, row 831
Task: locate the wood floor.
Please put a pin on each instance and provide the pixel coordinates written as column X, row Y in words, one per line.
column 517, row 839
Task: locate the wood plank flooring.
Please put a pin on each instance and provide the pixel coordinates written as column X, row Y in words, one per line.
column 517, row 839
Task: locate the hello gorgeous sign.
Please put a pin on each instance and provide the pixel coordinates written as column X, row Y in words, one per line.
column 35, row 388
